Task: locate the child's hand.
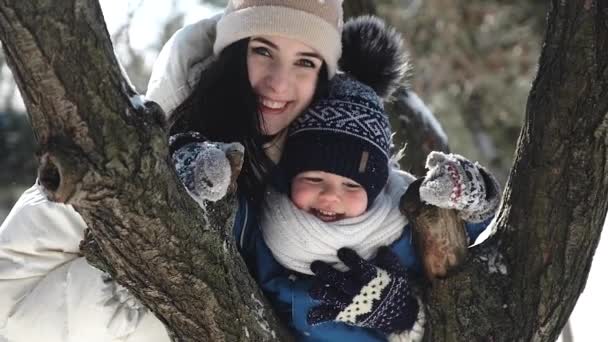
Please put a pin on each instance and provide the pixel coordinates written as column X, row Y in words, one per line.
column 371, row 294
column 207, row 169
column 454, row 182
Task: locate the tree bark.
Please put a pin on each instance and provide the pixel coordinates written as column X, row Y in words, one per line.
column 416, row 130
column 106, row 153
column 523, row 284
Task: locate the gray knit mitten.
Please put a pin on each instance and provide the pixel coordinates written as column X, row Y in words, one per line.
column 202, row 166
column 454, row 182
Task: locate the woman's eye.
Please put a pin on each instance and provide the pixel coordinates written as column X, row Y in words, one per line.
column 260, row 50
column 306, row 63
column 312, row 179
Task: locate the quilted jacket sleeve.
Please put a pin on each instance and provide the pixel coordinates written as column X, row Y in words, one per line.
column 179, row 64
column 48, row 292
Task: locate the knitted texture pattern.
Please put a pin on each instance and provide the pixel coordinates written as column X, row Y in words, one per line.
column 202, row 166
column 416, row 333
column 352, row 108
column 349, row 133
column 374, row 294
column 297, row 238
column 454, row 182
column 316, row 23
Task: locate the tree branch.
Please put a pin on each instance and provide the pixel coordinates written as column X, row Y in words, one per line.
column 556, row 202
column 523, row 283
column 105, row 152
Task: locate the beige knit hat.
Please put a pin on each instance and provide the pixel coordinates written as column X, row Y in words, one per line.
column 317, row 23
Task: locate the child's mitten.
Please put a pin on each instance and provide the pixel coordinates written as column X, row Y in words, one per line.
column 202, row 166
column 372, row 294
column 454, row 182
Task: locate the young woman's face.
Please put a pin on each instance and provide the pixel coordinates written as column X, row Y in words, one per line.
column 283, row 73
column 328, row 196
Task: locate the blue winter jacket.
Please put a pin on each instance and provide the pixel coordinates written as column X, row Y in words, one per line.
column 288, row 291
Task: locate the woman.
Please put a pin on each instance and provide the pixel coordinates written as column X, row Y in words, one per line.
column 47, row 290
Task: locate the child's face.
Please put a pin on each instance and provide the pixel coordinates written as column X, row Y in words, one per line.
column 328, row 196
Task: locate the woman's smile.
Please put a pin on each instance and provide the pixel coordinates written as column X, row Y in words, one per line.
column 272, row 107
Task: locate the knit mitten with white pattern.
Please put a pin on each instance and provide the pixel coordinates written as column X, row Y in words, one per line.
column 454, row 182
column 372, row 294
column 203, row 166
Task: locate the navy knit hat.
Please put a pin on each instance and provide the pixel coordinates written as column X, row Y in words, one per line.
column 346, row 133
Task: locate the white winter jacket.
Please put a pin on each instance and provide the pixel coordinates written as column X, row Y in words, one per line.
column 48, row 292
column 180, row 62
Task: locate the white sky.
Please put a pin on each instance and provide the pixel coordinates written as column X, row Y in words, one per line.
column 148, row 16
column 146, row 23
column 589, row 315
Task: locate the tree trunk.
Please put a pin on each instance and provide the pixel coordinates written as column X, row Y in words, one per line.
column 523, row 284
column 416, row 129
column 106, row 153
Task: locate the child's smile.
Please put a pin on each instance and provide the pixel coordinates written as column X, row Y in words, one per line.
column 327, row 196
column 326, row 216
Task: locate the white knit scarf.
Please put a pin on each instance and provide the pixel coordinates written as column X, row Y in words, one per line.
column 297, row 238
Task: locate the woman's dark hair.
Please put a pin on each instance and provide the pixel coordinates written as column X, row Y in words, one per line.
column 223, row 107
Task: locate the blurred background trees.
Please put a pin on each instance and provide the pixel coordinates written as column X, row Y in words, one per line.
column 473, row 63
column 473, row 66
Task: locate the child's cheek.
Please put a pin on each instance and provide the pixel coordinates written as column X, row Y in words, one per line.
column 300, row 196
column 358, row 204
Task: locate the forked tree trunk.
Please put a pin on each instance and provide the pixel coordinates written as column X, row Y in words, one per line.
column 106, row 153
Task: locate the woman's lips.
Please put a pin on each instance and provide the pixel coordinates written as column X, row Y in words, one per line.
column 272, row 107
